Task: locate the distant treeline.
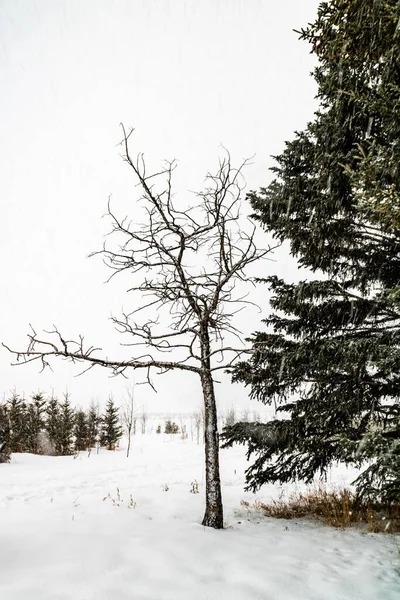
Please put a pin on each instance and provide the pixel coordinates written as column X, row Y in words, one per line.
column 47, row 425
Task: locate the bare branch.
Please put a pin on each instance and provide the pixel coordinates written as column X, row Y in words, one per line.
column 186, row 264
column 35, row 352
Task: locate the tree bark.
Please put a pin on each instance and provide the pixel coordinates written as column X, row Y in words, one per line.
column 213, row 516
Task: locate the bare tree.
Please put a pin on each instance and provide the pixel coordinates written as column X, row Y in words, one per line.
column 197, row 416
column 191, row 261
column 183, row 427
column 128, row 415
column 134, row 424
column 143, row 420
column 230, row 418
column 245, row 416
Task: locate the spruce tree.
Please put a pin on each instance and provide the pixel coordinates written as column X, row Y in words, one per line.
column 67, row 424
column 93, row 422
column 81, row 431
column 35, row 422
column 16, row 408
column 330, row 357
column 111, row 430
column 171, row 427
column 53, row 423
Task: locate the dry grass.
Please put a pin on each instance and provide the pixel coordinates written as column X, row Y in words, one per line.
column 118, row 500
column 194, row 487
column 337, row 508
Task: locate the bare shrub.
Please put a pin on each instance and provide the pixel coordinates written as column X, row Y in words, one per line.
column 194, row 487
column 4, row 456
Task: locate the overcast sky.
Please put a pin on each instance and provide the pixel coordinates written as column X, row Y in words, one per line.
column 189, row 75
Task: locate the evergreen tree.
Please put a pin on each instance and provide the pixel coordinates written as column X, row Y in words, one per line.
column 171, row 427
column 67, row 424
column 16, row 408
column 53, row 423
column 111, row 430
column 4, row 433
column 81, row 431
column 35, row 422
column 93, row 422
column 331, row 355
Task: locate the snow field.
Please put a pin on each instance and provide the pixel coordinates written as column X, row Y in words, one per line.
column 67, row 533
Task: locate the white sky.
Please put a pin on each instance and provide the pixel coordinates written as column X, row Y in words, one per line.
column 189, row 76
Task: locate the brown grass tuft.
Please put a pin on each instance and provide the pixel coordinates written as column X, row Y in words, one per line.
column 338, row 508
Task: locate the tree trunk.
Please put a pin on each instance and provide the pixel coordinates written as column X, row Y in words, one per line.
column 213, row 516
column 129, row 444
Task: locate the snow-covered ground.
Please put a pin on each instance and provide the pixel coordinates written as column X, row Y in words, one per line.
column 66, row 533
